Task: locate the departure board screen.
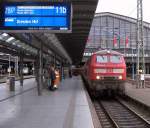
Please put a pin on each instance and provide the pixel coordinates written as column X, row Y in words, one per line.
column 34, row 16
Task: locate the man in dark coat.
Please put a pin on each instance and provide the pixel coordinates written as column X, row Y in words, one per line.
column 52, row 77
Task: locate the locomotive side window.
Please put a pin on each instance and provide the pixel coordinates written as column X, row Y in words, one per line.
column 115, row 59
column 102, row 59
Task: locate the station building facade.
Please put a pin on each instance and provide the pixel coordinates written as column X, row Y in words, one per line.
column 117, row 32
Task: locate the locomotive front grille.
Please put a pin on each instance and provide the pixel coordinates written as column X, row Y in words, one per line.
column 110, row 78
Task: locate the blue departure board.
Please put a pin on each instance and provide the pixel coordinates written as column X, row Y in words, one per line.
column 35, row 11
column 35, row 16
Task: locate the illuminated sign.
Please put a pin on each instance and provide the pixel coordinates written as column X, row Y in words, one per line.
column 35, row 17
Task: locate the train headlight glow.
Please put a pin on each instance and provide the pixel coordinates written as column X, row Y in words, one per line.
column 97, row 77
column 120, row 77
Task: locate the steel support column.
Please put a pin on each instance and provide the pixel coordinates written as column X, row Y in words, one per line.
column 21, row 69
column 37, row 73
column 140, row 44
column 9, row 68
column 62, row 71
column 16, row 66
column 132, row 66
column 55, row 60
column 40, row 72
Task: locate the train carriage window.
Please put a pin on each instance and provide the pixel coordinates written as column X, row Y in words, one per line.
column 115, row 59
column 102, row 59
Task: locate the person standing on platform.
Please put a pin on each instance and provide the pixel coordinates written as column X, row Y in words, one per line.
column 52, row 77
column 70, row 72
column 47, row 76
column 142, row 80
column 57, row 80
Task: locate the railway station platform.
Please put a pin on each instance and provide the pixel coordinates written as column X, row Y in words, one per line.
column 140, row 94
column 66, row 107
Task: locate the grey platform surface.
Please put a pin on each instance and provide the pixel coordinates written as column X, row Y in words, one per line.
column 140, row 94
column 4, row 88
column 66, row 107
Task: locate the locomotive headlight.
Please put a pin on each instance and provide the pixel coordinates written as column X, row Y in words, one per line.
column 97, row 77
column 120, row 77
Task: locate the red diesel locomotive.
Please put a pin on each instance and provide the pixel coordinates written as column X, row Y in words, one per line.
column 105, row 70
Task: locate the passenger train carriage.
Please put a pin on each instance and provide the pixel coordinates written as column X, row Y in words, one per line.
column 105, row 70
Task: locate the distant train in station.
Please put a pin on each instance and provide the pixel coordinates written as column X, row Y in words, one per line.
column 27, row 69
column 105, row 71
column 4, row 68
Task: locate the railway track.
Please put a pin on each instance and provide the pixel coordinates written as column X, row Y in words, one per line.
column 104, row 119
column 114, row 114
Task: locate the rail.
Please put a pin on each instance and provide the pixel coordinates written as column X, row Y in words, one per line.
column 119, row 115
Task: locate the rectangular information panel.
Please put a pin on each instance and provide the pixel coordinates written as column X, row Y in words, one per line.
column 35, row 17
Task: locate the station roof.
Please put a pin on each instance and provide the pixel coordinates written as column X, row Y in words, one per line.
column 74, row 43
column 82, row 16
column 122, row 17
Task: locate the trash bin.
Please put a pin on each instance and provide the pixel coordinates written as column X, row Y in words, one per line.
column 11, row 82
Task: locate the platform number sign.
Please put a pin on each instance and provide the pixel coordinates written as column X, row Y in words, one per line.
column 60, row 10
column 35, row 17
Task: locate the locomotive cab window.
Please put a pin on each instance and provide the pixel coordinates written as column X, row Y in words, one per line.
column 115, row 59
column 102, row 59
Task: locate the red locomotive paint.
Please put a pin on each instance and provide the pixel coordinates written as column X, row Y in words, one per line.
column 105, row 69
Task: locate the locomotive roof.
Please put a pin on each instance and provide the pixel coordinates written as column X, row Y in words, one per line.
column 108, row 52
